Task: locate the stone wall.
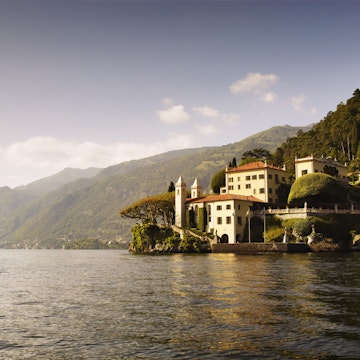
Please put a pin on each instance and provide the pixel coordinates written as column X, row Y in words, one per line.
column 259, row 248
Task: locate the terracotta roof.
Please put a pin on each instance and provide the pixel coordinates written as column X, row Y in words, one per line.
column 224, row 197
column 254, row 166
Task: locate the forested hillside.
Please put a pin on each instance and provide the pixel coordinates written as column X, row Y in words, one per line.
column 87, row 210
column 336, row 136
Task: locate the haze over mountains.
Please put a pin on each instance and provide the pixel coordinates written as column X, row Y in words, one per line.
column 83, row 205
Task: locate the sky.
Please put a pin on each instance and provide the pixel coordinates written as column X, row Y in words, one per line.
column 88, row 83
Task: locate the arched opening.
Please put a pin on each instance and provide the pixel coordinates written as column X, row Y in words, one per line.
column 238, row 238
column 224, row 239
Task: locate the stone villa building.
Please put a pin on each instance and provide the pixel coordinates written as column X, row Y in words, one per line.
column 311, row 164
column 252, row 186
column 248, row 186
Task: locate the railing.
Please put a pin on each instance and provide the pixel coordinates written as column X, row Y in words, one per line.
column 182, row 231
column 306, row 210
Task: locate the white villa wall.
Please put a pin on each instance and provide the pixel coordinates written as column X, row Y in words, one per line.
column 262, row 183
column 310, row 165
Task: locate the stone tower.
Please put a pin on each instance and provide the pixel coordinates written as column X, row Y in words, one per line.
column 196, row 190
column 180, row 199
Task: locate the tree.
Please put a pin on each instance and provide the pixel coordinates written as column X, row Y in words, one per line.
column 255, row 155
column 150, row 209
column 171, row 187
column 278, row 157
column 232, row 163
column 218, row 181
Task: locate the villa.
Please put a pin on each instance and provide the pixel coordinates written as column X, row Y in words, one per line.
column 253, row 186
column 311, row 164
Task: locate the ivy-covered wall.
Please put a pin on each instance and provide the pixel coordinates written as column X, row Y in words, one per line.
column 201, row 219
column 190, row 218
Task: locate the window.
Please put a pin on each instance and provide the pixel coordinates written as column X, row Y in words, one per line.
column 270, row 190
column 270, row 176
column 261, row 176
column 239, row 207
column 231, row 187
column 218, row 207
column 283, row 179
column 247, row 177
column 228, row 219
column 254, row 177
column 239, row 220
column 238, row 178
column 219, row 220
column 303, row 172
column 277, row 178
column 238, row 187
column 228, row 207
column 248, row 186
column 231, row 179
column 209, row 218
column 262, row 191
column 254, row 191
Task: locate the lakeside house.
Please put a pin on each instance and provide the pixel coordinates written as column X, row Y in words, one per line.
column 251, row 186
column 258, row 179
column 311, row 164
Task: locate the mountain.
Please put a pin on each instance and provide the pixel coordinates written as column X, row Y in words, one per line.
column 88, row 207
column 53, row 182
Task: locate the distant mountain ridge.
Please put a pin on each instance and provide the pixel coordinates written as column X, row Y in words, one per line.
column 84, row 204
column 50, row 183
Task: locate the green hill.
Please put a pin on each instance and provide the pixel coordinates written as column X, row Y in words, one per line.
column 336, row 136
column 88, row 208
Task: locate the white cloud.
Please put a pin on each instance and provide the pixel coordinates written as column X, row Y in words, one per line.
column 206, row 111
column 38, row 157
column 207, row 129
column 230, row 119
column 298, row 103
column 167, row 102
column 254, row 83
column 173, row 113
column 268, row 97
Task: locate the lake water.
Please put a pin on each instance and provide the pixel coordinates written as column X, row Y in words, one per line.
column 58, row 304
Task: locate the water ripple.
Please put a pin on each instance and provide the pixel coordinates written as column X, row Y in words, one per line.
column 113, row 305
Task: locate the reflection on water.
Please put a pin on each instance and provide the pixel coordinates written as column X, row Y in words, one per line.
column 113, row 305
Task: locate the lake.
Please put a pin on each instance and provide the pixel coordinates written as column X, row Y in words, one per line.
column 101, row 304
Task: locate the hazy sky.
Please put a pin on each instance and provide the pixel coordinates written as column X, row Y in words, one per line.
column 96, row 82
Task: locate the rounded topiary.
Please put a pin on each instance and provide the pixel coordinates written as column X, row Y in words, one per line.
column 317, row 190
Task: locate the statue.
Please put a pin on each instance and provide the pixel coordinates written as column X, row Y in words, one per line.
column 311, row 237
column 286, row 236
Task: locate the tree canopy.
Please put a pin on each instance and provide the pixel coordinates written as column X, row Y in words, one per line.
column 218, row 181
column 152, row 208
column 317, row 189
column 255, row 155
column 336, row 136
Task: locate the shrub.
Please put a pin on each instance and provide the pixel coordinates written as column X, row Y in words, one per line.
column 274, row 234
column 190, row 244
column 317, row 189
